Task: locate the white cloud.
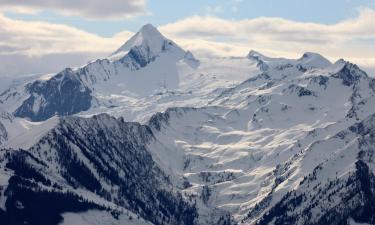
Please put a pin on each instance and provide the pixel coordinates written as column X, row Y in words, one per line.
column 353, row 39
column 40, row 38
column 39, row 47
column 109, row 9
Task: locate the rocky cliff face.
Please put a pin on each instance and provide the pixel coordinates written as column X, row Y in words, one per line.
column 64, row 94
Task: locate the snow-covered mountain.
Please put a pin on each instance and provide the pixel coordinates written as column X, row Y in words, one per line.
column 152, row 135
column 148, row 62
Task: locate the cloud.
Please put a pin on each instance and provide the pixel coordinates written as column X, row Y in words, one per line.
column 352, row 38
column 41, row 38
column 93, row 9
column 40, row 47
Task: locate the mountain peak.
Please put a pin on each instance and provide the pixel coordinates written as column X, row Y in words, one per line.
column 310, row 55
column 148, row 37
column 149, row 29
column 314, row 59
column 254, row 53
column 350, row 73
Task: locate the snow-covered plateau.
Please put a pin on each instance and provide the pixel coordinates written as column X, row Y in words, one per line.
column 153, row 135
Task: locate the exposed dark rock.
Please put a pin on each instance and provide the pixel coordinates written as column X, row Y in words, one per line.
column 63, row 95
column 350, row 74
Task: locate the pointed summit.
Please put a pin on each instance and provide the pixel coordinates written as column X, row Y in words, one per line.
column 255, row 54
column 150, row 39
column 149, row 30
column 350, row 73
column 259, row 59
column 316, row 60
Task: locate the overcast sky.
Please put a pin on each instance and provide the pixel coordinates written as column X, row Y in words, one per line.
column 43, row 36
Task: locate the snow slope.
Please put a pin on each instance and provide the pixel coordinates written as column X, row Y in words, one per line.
column 101, row 218
column 236, row 146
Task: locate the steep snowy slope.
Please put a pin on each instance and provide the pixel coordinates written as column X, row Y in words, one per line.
column 148, row 74
column 197, row 87
column 97, row 163
column 232, row 153
column 102, row 218
column 146, row 63
column 339, row 188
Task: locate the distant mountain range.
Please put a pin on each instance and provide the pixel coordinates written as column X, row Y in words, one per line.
column 151, row 135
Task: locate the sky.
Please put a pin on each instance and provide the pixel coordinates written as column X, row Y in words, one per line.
column 44, row 36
